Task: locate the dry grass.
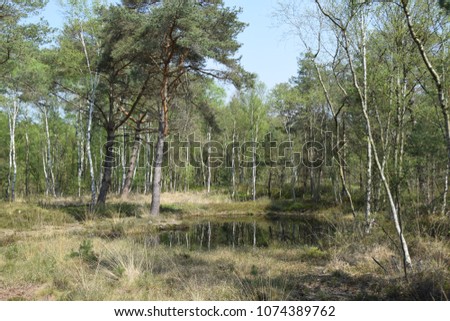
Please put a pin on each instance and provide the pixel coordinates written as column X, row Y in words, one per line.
column 50, row 255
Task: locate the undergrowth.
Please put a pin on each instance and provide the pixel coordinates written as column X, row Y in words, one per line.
column 47, row 252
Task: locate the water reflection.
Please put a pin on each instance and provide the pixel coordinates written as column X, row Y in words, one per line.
column 209, row 234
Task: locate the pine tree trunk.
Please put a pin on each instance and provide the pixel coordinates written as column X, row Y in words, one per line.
column 157, row 169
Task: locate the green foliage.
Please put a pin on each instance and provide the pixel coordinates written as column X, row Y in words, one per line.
column 314, row 253
column 445, row 4
column 14, row 34
column 85, row 252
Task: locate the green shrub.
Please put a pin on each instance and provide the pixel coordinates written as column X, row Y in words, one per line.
column 85, row 252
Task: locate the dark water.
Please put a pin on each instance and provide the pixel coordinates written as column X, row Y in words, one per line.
column 259, row 232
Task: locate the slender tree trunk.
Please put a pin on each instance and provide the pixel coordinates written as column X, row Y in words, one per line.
column 318, row 178
column 123, row 160
column 445, row 193
column 44, row 167
column 364, row 97
column 208, row 182
column 341, row 158
column 269, row 184
column 133, row 158
column 233, row 163
column 447, row 171
column 254, row 234
column 148, row 165
column 294, row 169
column 51, row 176
column 136, row 165
column 13, row 113
column 254, row 170
column 441, row 94
column 368, row 209
column 80, row 150
column 93, row 82
column 108, row 164
column 27, row 162
column 312, row 157
column 281, row 182
column 255, row 132
column 209, row 235
column 186, row 171
column 394, row 212
column 89, row 155
column 172, row 173
column 203, row 172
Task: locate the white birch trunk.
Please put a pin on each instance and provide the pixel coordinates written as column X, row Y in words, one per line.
column 208, row 182
column 80, row 149
column 93, row 82
column 47, row 179
column 12, row 119
column 368, row 211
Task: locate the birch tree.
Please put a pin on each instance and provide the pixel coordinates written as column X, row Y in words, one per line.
column 82, row 24
column 438, row 71
column 13, row 112
column 342, row 23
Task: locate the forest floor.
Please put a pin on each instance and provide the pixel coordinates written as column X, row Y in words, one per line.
column 57, row 250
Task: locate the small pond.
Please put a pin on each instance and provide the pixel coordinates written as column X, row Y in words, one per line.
column 210, row 233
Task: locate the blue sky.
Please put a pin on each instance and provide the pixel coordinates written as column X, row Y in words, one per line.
column 263, row 52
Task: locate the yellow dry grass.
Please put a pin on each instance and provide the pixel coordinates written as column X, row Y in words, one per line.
column 44, row 259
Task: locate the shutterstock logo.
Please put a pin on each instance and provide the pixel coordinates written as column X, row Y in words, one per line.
column 190, row 151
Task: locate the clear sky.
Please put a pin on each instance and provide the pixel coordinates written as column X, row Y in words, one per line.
column 263, row 52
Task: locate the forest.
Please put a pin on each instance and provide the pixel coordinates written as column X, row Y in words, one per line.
column 129, row 170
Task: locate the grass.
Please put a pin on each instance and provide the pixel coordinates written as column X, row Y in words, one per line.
column 48, row 251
